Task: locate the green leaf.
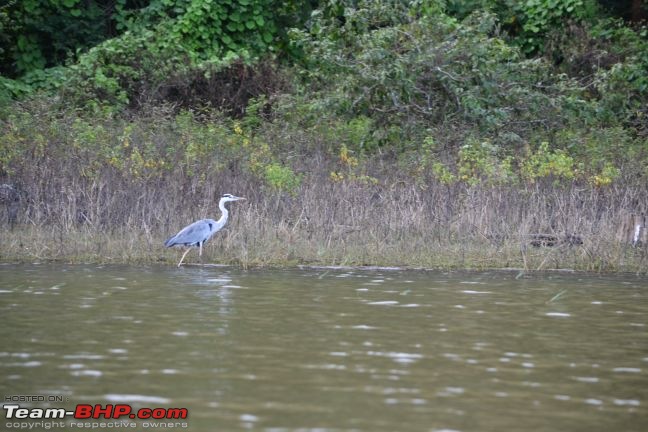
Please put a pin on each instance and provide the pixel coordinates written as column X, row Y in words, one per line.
column 267, row 37
column 259, row 20
column 250, row 24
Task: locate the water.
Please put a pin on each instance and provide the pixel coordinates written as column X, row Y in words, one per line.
column 331, row 350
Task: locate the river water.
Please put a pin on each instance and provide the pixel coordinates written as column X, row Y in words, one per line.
column 328, row 350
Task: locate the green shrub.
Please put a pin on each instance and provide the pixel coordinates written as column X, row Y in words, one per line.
column 282, row 178
column 546, row 163
column 542, row 16
column 429, row 70
column 479, row 162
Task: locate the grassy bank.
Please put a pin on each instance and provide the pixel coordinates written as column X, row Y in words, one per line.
column 342, row 223
column 279, row 249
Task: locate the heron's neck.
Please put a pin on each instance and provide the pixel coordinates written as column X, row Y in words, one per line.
column 221, row 206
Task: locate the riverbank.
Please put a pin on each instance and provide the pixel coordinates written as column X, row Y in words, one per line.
column 111, row 190
column 282, row 246
column 77, row 203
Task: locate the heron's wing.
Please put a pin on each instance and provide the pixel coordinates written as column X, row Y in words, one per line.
column 192, row 234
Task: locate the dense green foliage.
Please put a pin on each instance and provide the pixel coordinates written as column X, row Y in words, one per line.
column 43, row 33
column 157, row 44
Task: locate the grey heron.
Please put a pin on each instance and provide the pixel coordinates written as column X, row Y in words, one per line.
column 196, row 234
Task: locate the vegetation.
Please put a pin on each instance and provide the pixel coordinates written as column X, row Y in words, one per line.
column 422, row 133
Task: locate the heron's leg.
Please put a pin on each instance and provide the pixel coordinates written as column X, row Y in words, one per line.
column 200, row 245
column 183, row 256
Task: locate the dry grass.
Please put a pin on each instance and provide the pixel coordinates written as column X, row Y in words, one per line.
column 329, row 223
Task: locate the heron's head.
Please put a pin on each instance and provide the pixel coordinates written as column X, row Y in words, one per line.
column 229, row 197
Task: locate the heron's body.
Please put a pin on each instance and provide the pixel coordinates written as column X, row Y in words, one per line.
column 197, row 233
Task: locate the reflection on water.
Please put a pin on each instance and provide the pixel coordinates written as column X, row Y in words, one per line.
column 332, row 350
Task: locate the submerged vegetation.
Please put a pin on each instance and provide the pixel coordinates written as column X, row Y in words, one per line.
column 419, row 133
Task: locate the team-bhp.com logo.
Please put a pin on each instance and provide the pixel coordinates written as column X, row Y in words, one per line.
column 87, row 416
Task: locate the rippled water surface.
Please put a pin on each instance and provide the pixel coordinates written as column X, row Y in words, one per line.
column 332, row 350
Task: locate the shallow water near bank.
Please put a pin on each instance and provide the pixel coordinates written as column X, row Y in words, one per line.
column 331, row 350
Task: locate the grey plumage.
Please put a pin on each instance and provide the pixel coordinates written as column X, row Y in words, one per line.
column 197, row 233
